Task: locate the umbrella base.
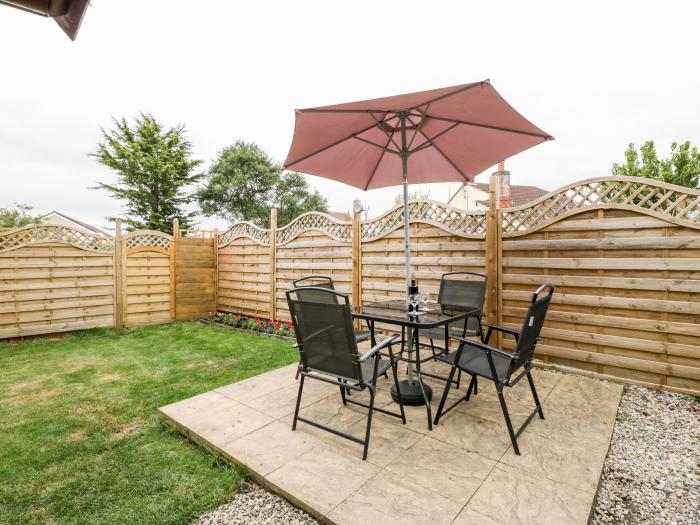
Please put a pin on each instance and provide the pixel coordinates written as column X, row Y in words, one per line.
column 411, row 393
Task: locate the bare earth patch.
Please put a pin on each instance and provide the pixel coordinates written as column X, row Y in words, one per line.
column 110, row 377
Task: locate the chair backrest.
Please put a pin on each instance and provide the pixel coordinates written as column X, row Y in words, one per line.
column 532, row 325
column 306, row 289
column 325, row 332
column 461, row 291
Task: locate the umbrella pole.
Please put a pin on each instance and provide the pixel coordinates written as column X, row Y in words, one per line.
column 406, row 235
column 406, row 232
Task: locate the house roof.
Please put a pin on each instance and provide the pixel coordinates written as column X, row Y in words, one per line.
column 519, row 195
column 340, row 215
column 82, row 224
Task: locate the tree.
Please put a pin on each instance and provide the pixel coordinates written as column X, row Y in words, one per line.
column 681, row 168
column 18, row 216
column 412, row 196
column 154, row 168
column 244, row 183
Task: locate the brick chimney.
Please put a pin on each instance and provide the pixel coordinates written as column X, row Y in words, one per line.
column 503, row 190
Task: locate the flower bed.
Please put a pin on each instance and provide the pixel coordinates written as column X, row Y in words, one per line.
column 249, row 324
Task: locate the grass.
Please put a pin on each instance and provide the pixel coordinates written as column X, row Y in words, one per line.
column 80, row 441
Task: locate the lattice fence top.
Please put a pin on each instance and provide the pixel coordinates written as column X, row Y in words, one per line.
column 453, row 220
column 673, row 203
column 33, row 234
column 148, row 239
column 244, row 229
column 314, row 221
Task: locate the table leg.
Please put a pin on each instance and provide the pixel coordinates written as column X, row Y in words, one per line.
column 413, row 390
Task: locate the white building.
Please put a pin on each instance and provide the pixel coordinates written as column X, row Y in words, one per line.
column 474, row 196
column 59, row 219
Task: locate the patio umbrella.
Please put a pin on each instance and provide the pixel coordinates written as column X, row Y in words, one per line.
column 441, row 135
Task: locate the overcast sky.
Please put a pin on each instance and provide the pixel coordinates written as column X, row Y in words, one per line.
column 596, row 75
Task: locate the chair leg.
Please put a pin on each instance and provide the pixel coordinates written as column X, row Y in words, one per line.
column 504, row 408
column 296, row 409
column 441, row 406
column 369, row 421
column 534, row 395
column 476, row 386
column 459, row 379
column 472, row 384
column 342, row 392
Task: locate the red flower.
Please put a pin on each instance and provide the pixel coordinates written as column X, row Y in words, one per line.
column 238, row 317
column 210, row 314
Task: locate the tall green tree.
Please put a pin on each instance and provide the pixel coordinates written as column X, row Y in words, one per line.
column 155, row 170
column 18, row 216
column 244, row 183
column 682, row 167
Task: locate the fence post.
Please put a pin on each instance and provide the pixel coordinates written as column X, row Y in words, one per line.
column 118, row 276
column 173, row 269
column 356, row 287
column 273, row 263
column 493, row 232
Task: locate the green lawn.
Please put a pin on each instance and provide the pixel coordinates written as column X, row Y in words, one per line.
column 80, row 441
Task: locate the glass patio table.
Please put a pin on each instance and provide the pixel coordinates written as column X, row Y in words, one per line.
column 413, row 390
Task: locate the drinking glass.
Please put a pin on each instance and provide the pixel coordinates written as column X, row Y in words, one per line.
column 413, row 301
column 425, row 297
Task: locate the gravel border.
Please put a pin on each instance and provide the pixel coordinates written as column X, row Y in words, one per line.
column 652, row 471
column 253, row 505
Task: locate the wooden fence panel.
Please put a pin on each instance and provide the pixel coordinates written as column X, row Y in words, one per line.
column 312, row 244
column 54, row 279
column 195, row 277
column 623, row 255
column 244, row 270
column 148, row 277
column 627, row 281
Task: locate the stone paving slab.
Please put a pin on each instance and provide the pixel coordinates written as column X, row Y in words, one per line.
column 463, row 472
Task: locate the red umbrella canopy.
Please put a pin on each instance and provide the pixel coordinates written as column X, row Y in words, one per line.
column 448, row 134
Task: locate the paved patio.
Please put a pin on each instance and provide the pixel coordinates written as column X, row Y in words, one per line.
column 463, row 472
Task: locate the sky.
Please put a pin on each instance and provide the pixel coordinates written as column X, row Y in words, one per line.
column 596, row 75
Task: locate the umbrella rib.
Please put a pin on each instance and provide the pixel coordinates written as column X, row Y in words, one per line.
column 487, row 126
column 376, row 166
column 324, row 148
column 385, row 147
column 390, row 135
column 444, row 156
column 430, row 141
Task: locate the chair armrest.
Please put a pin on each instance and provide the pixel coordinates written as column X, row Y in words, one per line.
column 486, row 348
column 503, row 329
column 376, row 348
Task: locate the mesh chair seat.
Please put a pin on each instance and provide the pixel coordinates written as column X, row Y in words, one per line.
column 475, row 362
column 368, row 369
column 456, row 329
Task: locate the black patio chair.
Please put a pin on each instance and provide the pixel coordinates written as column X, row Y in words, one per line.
column 459, row 292
column 323, row 281
column 480, row 359
column 328, row 347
